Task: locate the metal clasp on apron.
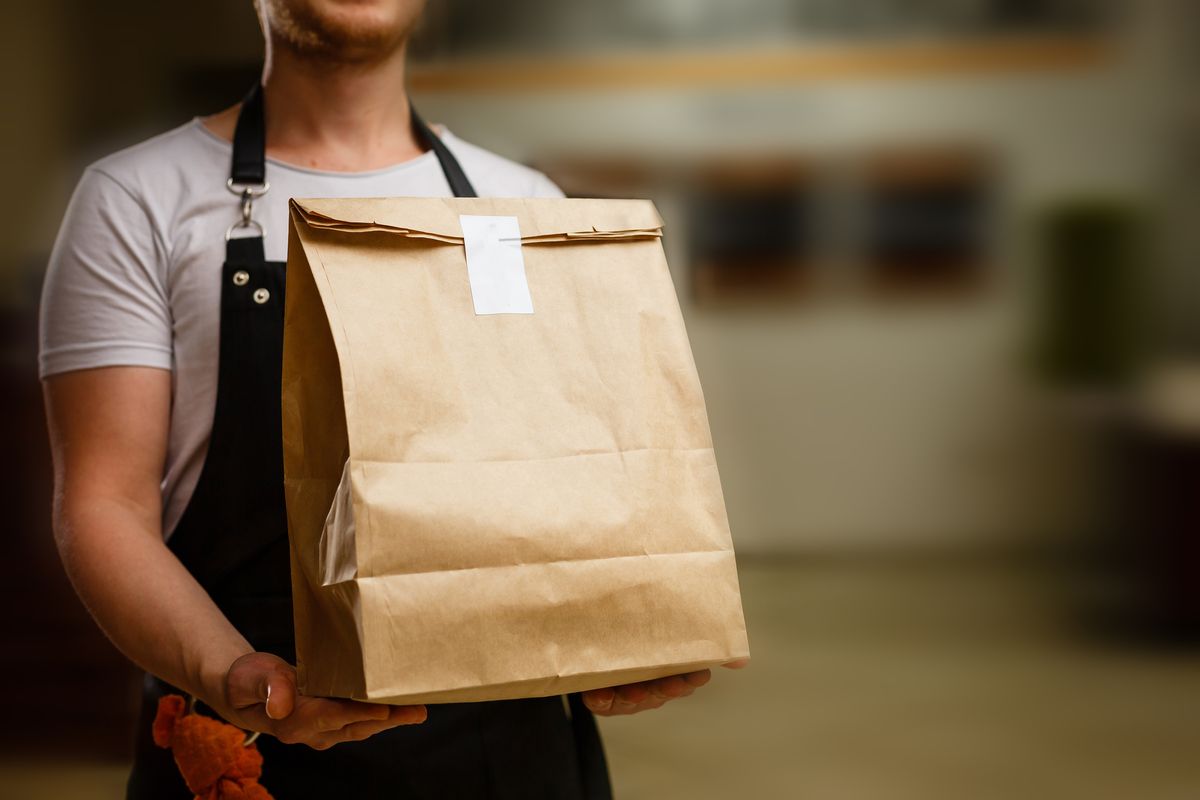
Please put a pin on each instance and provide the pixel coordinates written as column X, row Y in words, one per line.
column 248, row 193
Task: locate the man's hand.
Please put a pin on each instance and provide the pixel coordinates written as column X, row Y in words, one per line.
column 260, row 695
column 634, row 697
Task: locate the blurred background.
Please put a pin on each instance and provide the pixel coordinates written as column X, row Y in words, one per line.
column 940, row 266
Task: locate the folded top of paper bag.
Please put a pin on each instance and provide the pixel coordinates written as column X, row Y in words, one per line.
column 439, row 219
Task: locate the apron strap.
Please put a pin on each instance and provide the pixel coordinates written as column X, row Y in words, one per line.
column 249, row 168
column 245, row 250
column 459, row 185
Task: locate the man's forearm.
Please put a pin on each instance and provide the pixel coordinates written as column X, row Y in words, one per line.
column 143, row 598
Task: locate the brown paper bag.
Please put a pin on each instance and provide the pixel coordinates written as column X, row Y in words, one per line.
column 529, row 502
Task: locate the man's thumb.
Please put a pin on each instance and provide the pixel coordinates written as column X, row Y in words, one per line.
column 263, row 678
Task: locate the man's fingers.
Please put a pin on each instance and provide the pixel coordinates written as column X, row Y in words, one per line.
column 327, row 714
column 408, row 715
column 631, row 697
column 633, row 693
column 646, row 695
column 321, row 722
column 620, row 708
column 362, row 730
column 400, row 715
column 671, row 687
column 737, row 663
column 652, row 703
column 599, row 700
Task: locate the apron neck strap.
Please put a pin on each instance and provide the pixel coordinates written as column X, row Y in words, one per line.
column 459, row 185
column 249, row 167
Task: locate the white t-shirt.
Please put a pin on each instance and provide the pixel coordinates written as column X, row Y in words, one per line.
column 135, row 274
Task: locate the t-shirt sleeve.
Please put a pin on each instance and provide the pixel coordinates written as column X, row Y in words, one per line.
column 544, row 187
column 104, row 300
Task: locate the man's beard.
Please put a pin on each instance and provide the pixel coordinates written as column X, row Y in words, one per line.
column 312, row 35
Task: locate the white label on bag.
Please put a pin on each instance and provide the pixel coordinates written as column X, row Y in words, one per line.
column 495, row 265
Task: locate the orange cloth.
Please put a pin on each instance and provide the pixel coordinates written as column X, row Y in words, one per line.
column 211, row 754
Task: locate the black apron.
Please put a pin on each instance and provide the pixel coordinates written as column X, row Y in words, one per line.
column 233, row 539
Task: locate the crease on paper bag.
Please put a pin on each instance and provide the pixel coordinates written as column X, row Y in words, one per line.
column 336, row 558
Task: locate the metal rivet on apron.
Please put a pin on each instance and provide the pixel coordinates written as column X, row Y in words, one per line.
column 241, row 278
column 261, row 296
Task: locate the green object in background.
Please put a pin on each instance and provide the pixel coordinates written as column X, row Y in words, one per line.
column 1090, row 331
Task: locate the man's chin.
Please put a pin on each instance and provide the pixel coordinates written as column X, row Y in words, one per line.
column 343, row 30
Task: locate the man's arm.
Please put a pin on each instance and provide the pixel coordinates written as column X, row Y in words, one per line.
column 108, row 433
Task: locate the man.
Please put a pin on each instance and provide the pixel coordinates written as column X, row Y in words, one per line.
column 161, row 380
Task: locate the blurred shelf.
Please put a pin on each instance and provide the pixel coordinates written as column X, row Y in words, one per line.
column 751, row 283
column 925, row 217
column 799, row 63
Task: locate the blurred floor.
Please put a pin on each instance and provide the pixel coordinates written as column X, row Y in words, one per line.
column 890, row 681
column 922, row 681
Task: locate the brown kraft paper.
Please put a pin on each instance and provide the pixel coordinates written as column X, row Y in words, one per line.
column 531, row 504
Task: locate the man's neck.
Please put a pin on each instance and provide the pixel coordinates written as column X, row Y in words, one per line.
column 334, row 116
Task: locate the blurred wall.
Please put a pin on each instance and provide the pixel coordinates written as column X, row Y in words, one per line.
column 32, row 77
column 81, row 79
column 853, row 424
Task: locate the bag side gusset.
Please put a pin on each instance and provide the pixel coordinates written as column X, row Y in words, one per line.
column 328, row 641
